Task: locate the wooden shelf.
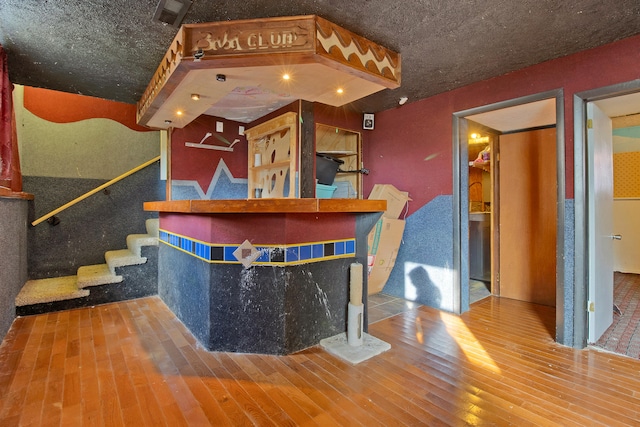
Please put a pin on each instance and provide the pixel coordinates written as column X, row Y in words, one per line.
column 274, row 140
column 338, row 153
column 275, row 165
column 345, row 145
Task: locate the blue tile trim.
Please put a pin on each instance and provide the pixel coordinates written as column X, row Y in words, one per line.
column 280, row 255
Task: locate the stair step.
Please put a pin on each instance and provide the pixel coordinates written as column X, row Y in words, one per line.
column 122, row 258
column 152, row 225
column 71, row 287
column 135, row 242
column 49, row 290
column 96, row 275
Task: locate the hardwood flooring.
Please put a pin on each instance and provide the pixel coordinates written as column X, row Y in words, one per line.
column 383, row 306
column 133, row 363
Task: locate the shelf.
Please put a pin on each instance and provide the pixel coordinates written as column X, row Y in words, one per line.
column 282, row 164
column 338, row 153
column 273, row 140
column 343, row 145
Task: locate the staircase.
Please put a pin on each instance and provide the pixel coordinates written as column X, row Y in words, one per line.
column 128, row 273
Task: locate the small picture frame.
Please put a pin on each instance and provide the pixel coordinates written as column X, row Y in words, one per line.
column 368, row 121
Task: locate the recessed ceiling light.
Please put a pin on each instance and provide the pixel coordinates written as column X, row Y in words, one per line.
column 340, row 91
column 179, row 113
column 167, row 122
column 286, row 76
column 195, row 96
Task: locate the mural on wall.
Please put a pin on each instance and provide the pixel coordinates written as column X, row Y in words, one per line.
column 209, row 160
column 412, row 149
column 223, row 185
column 71, row 144
column 65, row 135
column 61, row 107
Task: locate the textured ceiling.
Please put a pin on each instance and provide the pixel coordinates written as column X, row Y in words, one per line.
column 110, row 49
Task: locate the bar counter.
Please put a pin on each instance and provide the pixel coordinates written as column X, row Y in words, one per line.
column 264, row 276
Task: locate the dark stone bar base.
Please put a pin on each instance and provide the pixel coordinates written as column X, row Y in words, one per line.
column 294, row 291
column 261, row 309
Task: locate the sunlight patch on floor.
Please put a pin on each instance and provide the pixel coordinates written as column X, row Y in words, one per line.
column 468, row 343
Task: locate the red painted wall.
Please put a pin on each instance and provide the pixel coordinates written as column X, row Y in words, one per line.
column 268, row 229
column 411, row 146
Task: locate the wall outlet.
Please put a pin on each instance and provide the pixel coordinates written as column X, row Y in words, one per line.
column 219, row 127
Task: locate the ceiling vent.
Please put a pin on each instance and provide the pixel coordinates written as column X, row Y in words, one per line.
column 171, row 12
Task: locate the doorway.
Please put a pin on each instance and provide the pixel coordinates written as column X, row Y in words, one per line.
column 512, row 211
column 593, row 303
column 517, row 114
column 481, row 149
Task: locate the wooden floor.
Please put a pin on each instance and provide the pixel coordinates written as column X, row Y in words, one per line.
column 134, row 364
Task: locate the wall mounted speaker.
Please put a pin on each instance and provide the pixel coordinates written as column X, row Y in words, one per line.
column 367, row 123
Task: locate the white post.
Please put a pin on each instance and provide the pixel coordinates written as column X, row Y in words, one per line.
column 356, row 308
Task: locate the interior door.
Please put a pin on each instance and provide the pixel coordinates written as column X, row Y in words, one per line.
column 528, row 195
column 600, row 208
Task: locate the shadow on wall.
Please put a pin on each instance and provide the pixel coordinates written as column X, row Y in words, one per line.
column 423, row 269
column 424, row 287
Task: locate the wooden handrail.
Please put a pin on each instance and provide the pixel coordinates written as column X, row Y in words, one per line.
column 94, row 191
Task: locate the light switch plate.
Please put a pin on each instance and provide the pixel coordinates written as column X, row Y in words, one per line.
column 219, row 127
column 240, row 130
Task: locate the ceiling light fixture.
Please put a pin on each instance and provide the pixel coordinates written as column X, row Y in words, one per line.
column 195, row 96
column 221, row 77
column 340, row 91
column 171, row 12
column 179, row 113
column 286, row 76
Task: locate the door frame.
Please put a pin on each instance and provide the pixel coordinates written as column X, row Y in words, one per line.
column 461, row 201
column 581, row 224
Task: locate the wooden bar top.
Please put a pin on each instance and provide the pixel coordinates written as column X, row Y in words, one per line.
column 267, row 206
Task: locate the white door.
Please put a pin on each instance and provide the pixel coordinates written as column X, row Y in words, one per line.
column 600, row 208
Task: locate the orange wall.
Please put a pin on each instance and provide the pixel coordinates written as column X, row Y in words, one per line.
column 61, row 107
